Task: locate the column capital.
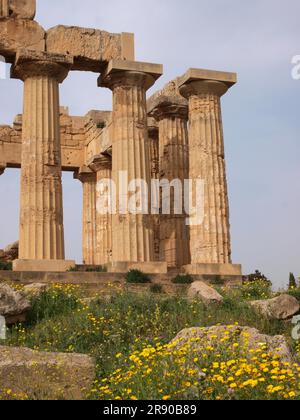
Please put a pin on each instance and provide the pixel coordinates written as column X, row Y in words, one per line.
column 168, row 107
column 198, row 82
column 29, row 63
column 130, row 73
column 99, row 162
column 85, row 174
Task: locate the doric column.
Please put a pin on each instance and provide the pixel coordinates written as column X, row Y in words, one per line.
column 172, row 114
column 132, row 233
column 41, row 242
column 209, row 241
column 153, row 146
column 102, row 165
column 89, row 242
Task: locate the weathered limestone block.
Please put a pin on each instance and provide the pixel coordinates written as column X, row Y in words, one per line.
column 22, row 9
column 281, row 307
column 98, row 134
column 72, row 145
column 13, row 305
column 247, row 338
column 20, row 33
column 45, row 376
column 35, row 289
column 170, row 92
column 91, row 48
column 208, row 295
column 5, row 134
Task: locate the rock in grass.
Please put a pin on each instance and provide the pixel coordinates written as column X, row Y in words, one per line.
column 208, row 295
column 35, row 289
column 282, row 307
column 45, row 376
column 13, row 305
column 247, row 339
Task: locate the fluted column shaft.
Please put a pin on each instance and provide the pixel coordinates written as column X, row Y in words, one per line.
column 41, row 208
column 102, row 165
column 173, row 165
column 89, row 231
column 210, row 241
column 153, row 146
column 132, row 233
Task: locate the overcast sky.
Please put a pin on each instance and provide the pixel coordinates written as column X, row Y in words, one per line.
column 256, row 39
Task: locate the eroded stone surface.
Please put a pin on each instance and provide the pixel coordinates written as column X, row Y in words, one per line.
column 46, row 376
column 20, row 33
column 91, row 48
column 281, row 307
column 35, row 289
column 247, row 338
column 22, row 9
column 200, row 290
column 13, row 305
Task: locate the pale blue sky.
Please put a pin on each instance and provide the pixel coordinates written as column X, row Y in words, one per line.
column 261, row 114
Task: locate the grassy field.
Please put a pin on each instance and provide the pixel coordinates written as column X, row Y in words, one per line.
column 129, row 337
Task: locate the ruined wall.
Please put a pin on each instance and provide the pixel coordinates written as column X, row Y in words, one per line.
column 81, row 139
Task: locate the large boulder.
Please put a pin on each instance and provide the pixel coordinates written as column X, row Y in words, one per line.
column 282, row 307
column 208, row 295
column 13, row 305
column 45, row 376
column 35, row 289
column 247, row 338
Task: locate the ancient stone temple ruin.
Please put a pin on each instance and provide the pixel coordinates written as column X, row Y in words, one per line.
column 174, row 135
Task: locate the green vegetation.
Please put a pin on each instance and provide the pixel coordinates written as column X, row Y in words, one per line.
column 98, row 269
column 292, row 282
column 129, row 335
column 137, row 276
column 259, row 277
column 5, row 266
column 156, row 288
column 217, row 281
column 183, row 279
